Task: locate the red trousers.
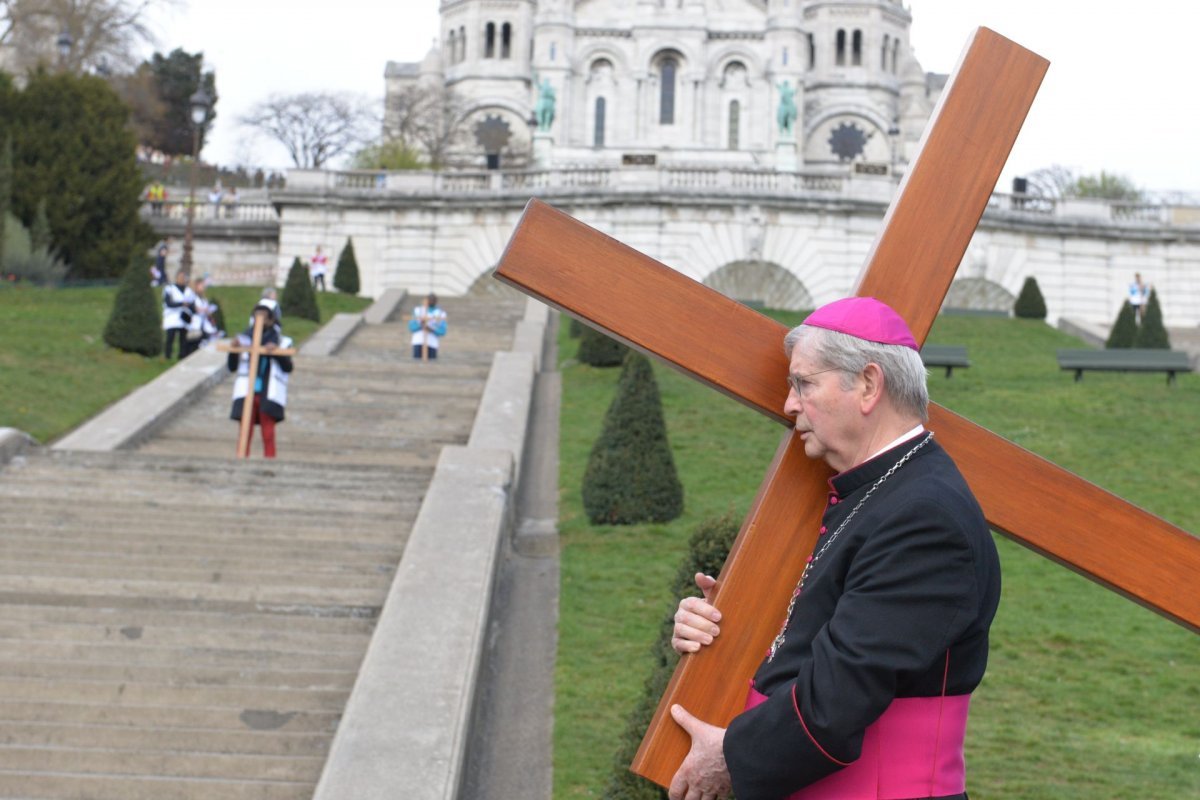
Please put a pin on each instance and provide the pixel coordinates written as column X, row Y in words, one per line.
column 268, row 428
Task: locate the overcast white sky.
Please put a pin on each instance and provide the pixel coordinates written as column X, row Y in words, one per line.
column 1121, row 93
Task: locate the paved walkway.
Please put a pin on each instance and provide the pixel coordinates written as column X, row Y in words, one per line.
column 178, row 624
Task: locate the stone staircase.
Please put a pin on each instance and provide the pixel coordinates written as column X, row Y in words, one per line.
column 175, row 623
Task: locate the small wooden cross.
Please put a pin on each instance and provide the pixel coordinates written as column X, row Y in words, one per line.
column 256, row 349
column 925, row 234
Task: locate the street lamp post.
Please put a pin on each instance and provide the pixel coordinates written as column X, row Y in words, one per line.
column 64, row 42
column 200, row 102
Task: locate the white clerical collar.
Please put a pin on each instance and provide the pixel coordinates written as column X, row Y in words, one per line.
column 917, row 431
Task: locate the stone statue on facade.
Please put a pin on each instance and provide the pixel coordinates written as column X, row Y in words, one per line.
column 543, row 111
column 786, row 115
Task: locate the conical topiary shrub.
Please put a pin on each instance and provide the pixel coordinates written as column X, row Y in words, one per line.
column 135, row 324
column 1124, row 330
column 630, row 475
column 599, row 350
column 1152, row 335
column 299, row 299
column 1030, row 303
column 707, row 552
column 346, row 277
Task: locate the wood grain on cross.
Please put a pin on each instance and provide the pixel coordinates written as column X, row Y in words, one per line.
column 925, row 234
column 256, row 350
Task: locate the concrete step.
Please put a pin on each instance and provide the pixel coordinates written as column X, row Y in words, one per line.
column 224, row 720
column 29, row 785
column 100, row 761
column 198, row 740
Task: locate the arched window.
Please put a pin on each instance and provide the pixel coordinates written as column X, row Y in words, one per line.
column 841, row 48
column 506, row 40
column 735, row 119
column 667, row 70
column 452, row 46
column 598, row 128
column 462, row 43
column 883, row 54
column 856, row 49
column 489, row 40
column 812, row 52
column 895, row 54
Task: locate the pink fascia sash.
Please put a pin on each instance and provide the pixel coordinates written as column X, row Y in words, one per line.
column 914, row 749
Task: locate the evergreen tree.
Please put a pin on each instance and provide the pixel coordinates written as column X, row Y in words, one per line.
column 345, row 279
column 135, row 324
column 1152, row 335
column 39, row 232
column 1124, row 330
column 74, row 149
column 575, row 330
column 707, row 552
column 6, row 177
column 1030, row 303
column 177, row 76
column 630, row 475
column 598, row 349
column 299, row 299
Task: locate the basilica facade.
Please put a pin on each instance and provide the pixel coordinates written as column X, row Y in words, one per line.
column 786, row 85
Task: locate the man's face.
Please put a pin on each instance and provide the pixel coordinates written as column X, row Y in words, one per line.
column 826, row 416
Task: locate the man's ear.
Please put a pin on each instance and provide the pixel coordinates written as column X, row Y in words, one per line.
column 871, row 383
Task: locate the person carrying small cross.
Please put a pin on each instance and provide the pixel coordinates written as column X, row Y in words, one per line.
column 428, row 325
column 864, row 693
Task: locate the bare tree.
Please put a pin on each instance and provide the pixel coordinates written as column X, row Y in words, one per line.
column 103, row 33
column 427, row 117
column 315, row 127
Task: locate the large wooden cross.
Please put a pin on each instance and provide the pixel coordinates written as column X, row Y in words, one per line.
column 925, row 234
column 256, row 351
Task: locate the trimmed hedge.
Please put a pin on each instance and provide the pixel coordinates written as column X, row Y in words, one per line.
column 630, row 475
column 599, row 349
column 1030, row 303
column 707, row 552
column 135, row 324
column 1124, row 330
column 1151, row 334
column 345, row 279
column 299, row 299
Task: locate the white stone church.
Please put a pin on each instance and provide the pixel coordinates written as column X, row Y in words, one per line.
column 685, row 82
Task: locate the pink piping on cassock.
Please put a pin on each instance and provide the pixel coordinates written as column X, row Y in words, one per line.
column 914, row 749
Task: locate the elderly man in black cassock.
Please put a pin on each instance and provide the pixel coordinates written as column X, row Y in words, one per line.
column 864, row 693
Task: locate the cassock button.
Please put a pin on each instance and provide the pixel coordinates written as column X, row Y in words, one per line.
column 833, row 500
column 822, row 530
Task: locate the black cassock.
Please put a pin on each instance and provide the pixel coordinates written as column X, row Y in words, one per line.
column 866, row 698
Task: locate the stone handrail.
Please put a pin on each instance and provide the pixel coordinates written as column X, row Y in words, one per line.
column 208, row 213
column 1161, row 210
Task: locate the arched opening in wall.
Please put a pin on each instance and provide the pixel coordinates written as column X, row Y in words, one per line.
column 668, row 74
column 761, row 284
column 489, row 40
column 462, row 44
column 978, row 294
column 452, row 46
column 856, row 49
column 735, row 119
column 840, row 48
column 812, row 52
column 895, row 54
column 598, row 132
column 883, row 54
column 506, row 40
column 487, row 286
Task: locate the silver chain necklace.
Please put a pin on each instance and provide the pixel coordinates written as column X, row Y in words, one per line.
column 815, row 557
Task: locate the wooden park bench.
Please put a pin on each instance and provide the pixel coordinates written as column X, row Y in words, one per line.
column 945, row 355
column 1126, row 360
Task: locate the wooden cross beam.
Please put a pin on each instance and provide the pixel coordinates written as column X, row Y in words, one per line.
column 256, row 350
column 926, row 231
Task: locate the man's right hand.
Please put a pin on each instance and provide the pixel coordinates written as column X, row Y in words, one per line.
column 696, row 620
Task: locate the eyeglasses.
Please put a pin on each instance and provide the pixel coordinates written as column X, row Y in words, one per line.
column 801, row 385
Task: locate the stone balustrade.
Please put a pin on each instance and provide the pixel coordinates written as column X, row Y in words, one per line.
column 209, row 213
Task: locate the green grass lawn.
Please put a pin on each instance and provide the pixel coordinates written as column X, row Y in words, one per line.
column 1086, row 696
column 55, row 369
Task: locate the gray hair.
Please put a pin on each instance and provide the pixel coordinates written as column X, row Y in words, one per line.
column 904, row 373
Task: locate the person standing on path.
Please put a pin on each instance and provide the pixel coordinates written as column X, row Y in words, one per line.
column 428, row 325
column 178, row 306
column 267, row 389
column 317, row 269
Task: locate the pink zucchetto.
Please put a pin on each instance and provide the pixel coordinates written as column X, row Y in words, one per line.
column 866, row 318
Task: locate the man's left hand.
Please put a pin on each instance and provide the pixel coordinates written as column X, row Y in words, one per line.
column 703, row 774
